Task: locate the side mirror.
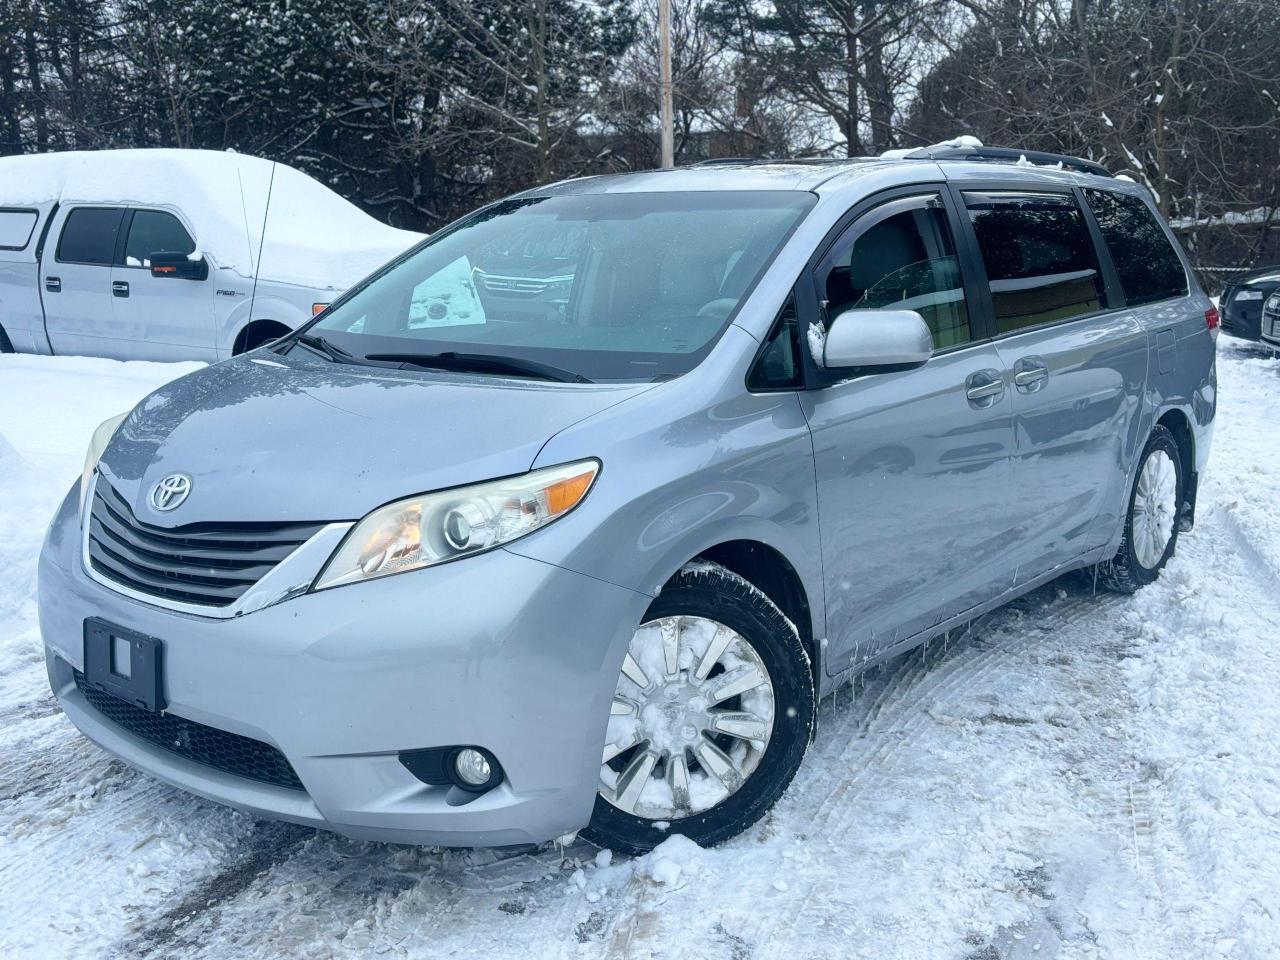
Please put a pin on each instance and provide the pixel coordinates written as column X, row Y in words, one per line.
column 877, row 341
column 178, row 266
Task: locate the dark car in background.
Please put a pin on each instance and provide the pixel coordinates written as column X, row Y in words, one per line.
column 1242, row 299
column 1271, row 319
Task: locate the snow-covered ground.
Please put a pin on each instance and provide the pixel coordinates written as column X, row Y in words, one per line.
column 1080, row 776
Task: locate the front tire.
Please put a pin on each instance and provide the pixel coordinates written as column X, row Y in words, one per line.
column 1151, row 525
column 712, row 714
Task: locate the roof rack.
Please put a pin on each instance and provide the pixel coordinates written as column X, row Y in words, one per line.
column 1008, row 155
column 717, row 161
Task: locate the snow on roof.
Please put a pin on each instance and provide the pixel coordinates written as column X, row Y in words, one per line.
column 314, row 236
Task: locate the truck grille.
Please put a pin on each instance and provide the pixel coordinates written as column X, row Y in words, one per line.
column 210, row 564
column 228, row 752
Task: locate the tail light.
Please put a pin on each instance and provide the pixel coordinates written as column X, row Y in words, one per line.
column 1212, row 320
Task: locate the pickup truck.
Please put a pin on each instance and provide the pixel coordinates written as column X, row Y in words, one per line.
column 172, row 254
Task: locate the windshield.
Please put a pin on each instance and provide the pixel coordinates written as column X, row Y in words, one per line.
column 604, row 286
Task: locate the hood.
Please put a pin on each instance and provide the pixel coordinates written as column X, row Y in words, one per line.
column 299, row 439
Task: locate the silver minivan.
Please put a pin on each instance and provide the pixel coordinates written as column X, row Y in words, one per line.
column 567, row 518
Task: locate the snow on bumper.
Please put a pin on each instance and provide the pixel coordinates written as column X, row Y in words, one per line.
column 512, row 654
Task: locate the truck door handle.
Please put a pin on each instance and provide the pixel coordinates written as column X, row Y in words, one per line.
column 984, row 388
column 1029, row 374
column 53, row 284
column 120, row 289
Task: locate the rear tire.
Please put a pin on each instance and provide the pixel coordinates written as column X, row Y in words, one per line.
column 1151, row 523
column 674, row 719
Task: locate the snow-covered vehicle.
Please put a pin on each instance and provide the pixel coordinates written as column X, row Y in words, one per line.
column 172, row 254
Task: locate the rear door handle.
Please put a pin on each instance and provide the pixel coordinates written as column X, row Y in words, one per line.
column 53, row 284
column 1029, row 374
column 984, row 388
column 120, row 289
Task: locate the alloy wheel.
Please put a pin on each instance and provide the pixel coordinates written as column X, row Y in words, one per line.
column 1155, row 507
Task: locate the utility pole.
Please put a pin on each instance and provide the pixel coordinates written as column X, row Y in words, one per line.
column 664, row 42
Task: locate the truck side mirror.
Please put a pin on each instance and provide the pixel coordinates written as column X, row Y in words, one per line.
column 178, row 266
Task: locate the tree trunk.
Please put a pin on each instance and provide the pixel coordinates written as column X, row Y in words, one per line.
column 37, row 90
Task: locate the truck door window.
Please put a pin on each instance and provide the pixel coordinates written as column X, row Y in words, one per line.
column 89, row 236
column 154, row 231
column 16, row 227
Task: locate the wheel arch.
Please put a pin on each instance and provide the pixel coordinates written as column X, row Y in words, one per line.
column 1176, row 421
column 249, row 332
column 769, row 570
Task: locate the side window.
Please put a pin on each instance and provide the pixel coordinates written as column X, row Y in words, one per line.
column 89, row 236
column 1149, row 267
column 778, row 365
column 900, row 257
column 154, row 231
column 1039, row 257
column 16, row 227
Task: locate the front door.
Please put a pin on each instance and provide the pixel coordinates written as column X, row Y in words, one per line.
column 913, row 467
column 165, row 318
column 76, row 277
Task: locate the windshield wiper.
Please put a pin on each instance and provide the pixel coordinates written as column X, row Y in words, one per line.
column 326, row 347
column 481, row 363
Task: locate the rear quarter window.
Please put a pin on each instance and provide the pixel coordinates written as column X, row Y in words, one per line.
column 1149, row 267
column 16, row 228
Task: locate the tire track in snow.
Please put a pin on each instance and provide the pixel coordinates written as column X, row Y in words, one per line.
column 863, row 741
column 267, row 845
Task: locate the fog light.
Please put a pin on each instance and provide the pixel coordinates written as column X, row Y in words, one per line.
column 472, row 768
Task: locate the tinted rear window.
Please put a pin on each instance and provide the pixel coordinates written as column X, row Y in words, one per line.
column 1039, row 257
column 90, row 236
column 16, row 227
column 1148, row 266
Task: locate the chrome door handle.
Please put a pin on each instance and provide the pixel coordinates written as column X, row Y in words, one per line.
column 984, row 388
column 1029, row 374
column 120, row 289
column 53, row 284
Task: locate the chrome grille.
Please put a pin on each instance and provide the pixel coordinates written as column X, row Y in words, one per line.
column 210, row 564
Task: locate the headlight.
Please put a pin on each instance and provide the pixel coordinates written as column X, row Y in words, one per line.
column 1273, row 302
column 438, row 527
column 97, row 446
column 1248, row 295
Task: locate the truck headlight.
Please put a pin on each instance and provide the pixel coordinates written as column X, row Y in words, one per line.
column 97, row 446
column 437, row 527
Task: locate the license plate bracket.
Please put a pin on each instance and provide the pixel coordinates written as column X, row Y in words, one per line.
column 125, row 664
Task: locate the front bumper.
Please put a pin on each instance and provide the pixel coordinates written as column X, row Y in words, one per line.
column 512, row 654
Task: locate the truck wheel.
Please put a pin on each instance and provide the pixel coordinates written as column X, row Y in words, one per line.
column 711, row 716
column 1151, row 525
column 5, row 345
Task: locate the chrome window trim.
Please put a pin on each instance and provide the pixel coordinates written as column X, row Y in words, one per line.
column 290, row 577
